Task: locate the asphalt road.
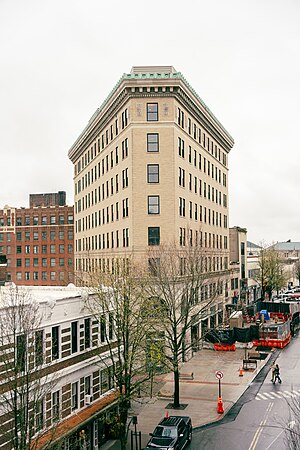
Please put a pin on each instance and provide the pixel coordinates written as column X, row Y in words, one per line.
column 259, row 420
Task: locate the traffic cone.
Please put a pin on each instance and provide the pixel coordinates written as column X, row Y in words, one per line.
column 241, row 372
column 220, row 406
column 167, row 414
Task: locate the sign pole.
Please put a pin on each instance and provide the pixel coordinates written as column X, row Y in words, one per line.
column 220, row 405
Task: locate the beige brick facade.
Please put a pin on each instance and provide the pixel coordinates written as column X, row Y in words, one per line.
column 114, row 166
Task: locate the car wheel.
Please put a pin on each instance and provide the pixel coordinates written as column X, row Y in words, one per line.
column 190, row 435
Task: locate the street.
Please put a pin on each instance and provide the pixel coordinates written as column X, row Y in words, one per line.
column 264, row 413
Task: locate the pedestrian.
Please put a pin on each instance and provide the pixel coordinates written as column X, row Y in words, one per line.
column 276, row 374
column 273, row 371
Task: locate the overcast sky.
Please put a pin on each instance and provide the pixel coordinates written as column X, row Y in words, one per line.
column 59, row 59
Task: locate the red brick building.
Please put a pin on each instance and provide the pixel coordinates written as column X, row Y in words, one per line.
column 38, row 243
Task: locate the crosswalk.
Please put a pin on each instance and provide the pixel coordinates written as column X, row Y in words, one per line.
column 278, row 394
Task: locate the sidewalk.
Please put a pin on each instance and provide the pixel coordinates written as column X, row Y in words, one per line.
column 200, row 393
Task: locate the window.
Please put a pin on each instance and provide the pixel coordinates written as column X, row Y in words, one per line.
column 124, row 117
column 74, row 337
column 61, row 235
column 154, row 266
column 44, row 220
column 153, row 235
column 87, row 385
column 125, row 148
column 18, row 236
column 19, row 262
column 39, row 350
column 181, row 207
column 125, row 207
column 152, row 142
column 55, row 343
column 52, row 220
column 87, row 333
column 44, row 248
column 111, row 326
column 55, row 406
column 27, row 235
column 153, row 204
column 181, row 177
column 35, row 221
column 61, row 248
column 181, row 147
column 52, row 235
column 124, row 178
column 44, row 235
column 35, row 262
column 21, row 352
column 61, row 220
column 102, row 329
column 39, row 414
column 152, row 112
column 35, row 249
column 74, row 396
column 52, row 262
column 153, row 173
column 19, row 248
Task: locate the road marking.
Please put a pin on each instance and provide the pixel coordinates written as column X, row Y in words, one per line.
column 290, row 393
column 269, row 395
column 262, row 397
column 285, row 395
column 259, row 430
column 276, row 394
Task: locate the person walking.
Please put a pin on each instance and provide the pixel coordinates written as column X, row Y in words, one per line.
column 273, row 371
column 276, row 374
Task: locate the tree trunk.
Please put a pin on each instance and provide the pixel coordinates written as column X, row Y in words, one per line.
column 176, row 403
column 123, row 409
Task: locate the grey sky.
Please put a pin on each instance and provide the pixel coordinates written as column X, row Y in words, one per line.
column 59, row 59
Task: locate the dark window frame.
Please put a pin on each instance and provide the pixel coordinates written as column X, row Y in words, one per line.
column 153, row 236
column 153, row 146
column 152, row 175
column 152, row 116
column 153, row 204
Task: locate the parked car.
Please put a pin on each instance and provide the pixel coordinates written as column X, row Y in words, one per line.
column 172, row 433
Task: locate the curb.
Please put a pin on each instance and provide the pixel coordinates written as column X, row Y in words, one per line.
column 234, row 410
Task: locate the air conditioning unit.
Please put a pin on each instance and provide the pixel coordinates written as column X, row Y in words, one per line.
column 87, row 399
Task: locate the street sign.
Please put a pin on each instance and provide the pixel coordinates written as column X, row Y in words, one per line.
column 219, row 375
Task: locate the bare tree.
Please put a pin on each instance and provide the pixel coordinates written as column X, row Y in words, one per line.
column 22, row 389
column 292, row 430
column 184, row 282
column 297, row 270
column 119, row 305
column 271, row 275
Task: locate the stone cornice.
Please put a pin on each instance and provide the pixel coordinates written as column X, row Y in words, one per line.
column 130, row 88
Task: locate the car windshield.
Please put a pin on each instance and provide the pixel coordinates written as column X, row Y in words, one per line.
column 170, row 432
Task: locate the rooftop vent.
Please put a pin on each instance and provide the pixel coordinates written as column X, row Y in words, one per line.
column 152, row 69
